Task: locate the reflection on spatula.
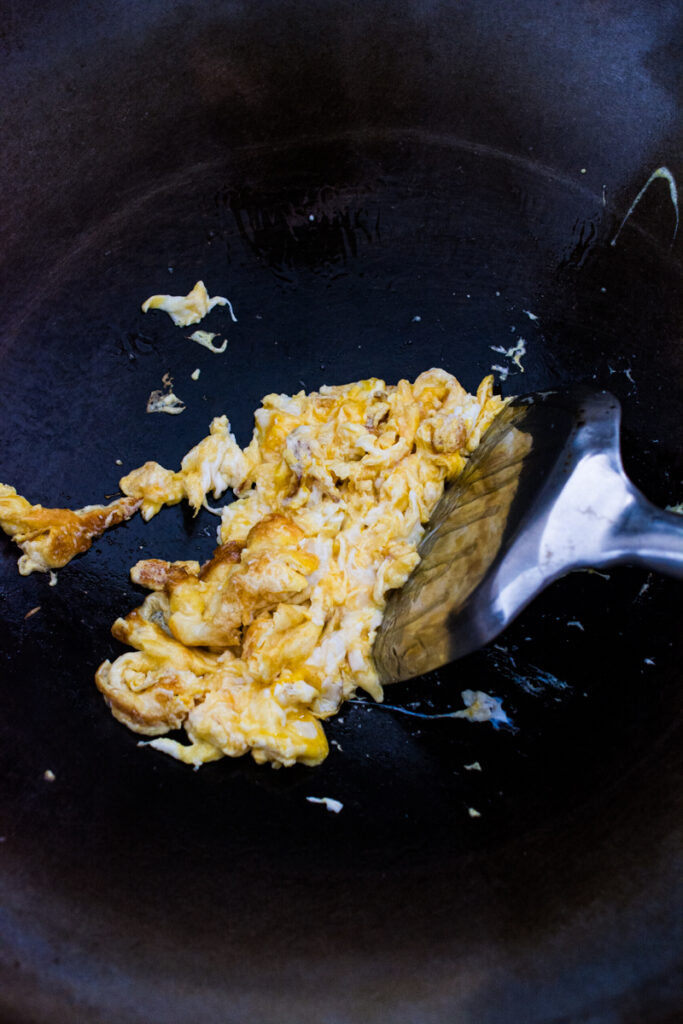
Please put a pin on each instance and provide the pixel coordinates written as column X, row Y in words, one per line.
column 545, row 493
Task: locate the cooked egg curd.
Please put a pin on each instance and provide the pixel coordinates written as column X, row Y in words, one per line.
column 51, row 537
column 254, row 649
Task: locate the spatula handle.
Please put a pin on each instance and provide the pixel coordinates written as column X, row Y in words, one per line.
column 650, row 537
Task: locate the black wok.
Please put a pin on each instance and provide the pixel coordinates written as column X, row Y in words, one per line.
column 338, row 171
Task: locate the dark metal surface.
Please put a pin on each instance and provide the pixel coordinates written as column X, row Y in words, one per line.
column 439, row 149
column 543, row 495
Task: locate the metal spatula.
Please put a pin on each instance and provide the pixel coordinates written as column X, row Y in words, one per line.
column 545, row 493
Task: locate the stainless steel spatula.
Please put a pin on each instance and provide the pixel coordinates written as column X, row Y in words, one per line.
column 545, row 493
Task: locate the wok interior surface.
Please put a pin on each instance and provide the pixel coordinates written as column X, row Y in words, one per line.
column 377, row 191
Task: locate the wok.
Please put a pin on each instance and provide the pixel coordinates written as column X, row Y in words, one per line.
column 339, row 171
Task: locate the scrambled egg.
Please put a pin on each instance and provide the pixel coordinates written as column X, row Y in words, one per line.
column 212, row 465
column 51, row 537
column 187, row 309
column 251, row 651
